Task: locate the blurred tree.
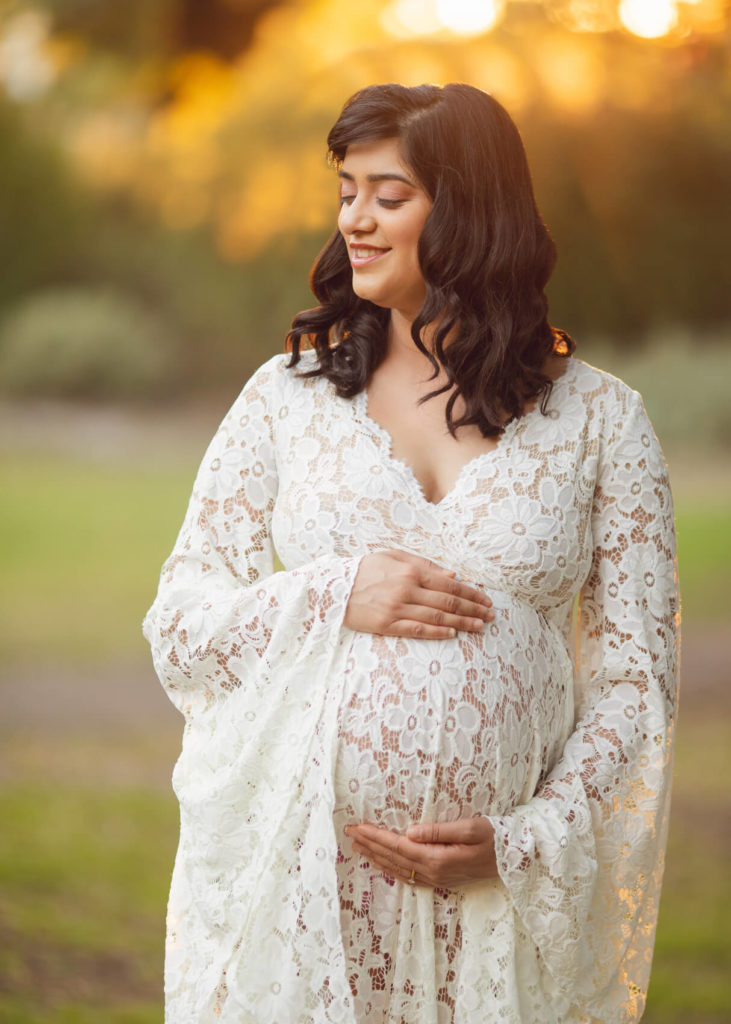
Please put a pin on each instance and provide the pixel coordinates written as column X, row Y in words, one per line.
column 225, row 27
column 137, row 28
column 640, row 205
column 37, row 236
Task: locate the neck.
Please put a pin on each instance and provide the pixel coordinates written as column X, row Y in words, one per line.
column 400, row 342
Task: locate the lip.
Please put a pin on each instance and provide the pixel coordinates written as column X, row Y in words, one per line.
column 362, row 261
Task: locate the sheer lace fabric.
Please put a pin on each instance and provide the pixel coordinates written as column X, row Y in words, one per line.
column 297, row 726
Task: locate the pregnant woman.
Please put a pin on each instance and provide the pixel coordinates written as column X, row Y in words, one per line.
column 404, row 798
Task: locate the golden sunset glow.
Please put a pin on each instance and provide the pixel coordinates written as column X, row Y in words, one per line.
column 221, row 152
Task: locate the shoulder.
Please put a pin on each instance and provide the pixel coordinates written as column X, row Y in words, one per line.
column 277, row 400
column 609, row 403
column 275, row 380
column 600, row 388
column 619, row 422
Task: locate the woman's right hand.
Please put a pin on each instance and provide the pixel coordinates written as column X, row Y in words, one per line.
column 396, row 593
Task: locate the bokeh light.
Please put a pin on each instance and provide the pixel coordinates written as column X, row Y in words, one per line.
column 410, row 18
column 26, row 71
column 469, row 17
column 649, row 19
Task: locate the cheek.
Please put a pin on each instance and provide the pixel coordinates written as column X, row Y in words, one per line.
column 410, row 235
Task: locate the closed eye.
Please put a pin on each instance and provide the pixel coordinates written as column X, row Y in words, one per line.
column 389, row 204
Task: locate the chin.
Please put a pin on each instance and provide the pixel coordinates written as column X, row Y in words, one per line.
column 370, row 295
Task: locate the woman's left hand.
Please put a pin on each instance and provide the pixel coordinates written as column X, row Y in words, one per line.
column 445, row 855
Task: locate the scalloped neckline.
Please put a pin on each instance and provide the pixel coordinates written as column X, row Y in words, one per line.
column 385, row 444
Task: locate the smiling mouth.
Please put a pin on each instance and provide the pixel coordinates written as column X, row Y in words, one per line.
column 362, row 255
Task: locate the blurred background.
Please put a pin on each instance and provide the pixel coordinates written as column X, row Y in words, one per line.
column 163, row 192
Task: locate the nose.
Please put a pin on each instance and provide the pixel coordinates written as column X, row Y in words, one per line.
column 356, row 217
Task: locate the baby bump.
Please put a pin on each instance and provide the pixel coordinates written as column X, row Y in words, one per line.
column 436, row 730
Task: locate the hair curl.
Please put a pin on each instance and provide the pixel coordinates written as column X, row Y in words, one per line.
column 485, row 255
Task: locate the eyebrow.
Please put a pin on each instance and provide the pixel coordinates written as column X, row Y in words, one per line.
column 388, row 176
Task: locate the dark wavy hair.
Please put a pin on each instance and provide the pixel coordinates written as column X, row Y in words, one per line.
column 485, row 255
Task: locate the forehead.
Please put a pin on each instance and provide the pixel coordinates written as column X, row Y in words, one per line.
column 378, row 157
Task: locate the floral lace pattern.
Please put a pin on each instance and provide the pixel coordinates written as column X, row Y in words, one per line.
column 296, row 726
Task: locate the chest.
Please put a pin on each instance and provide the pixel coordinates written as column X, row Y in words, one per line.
column 517, row 515
column 418, row 436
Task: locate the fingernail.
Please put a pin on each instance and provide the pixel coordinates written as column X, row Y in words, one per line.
column 478, row 623
column 452, row 632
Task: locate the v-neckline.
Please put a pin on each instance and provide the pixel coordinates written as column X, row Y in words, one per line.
column 385, row 443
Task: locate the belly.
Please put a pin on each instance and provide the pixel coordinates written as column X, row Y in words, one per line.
column 438, row 730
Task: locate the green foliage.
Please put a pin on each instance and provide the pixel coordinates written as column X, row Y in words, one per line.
column 228, row 318
column 83, row 343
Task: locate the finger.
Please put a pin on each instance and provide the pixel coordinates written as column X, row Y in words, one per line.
column 434, row 864
column 387, row 858
column 437, row 577
column 411, row 628
column 452, row 605
column 432, row 580
column 381, row 862
column 405, row 874
column 418, row 561
column 392, row 847
column 467, row 831
column 421, row 613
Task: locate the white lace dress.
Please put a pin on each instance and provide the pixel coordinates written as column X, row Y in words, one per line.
column 296, row 726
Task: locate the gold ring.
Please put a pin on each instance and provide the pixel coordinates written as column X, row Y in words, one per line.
column 413, row 876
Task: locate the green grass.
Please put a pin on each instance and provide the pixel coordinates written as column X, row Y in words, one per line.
column 21, row 1010
column 704, row 558
column 81, row 546
column 84, row 875
column 689, row 983
column 74, row 849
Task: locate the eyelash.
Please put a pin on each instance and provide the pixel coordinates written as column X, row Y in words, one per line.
column 389, row 204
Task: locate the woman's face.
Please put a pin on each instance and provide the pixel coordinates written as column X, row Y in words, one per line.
column 383, row 210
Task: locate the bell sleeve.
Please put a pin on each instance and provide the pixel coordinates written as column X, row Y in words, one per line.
column 583, row 860
column 222, row 615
